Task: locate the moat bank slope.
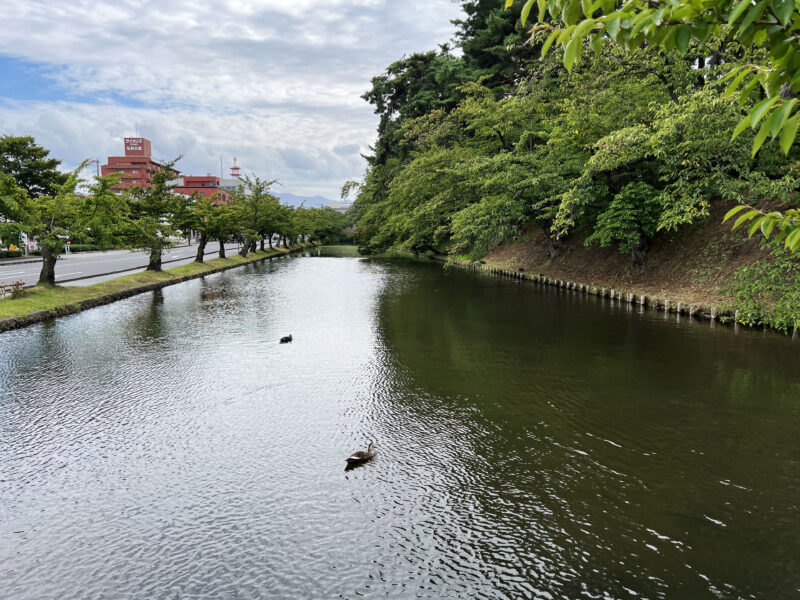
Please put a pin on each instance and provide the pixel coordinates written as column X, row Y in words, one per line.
column 695, row 265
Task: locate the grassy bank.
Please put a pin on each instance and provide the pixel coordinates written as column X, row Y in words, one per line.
column 707, row 266
column 42, row 302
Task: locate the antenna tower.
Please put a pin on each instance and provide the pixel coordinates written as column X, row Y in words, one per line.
column 235, row 169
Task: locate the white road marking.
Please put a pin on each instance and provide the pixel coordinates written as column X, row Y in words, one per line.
column 11, row 273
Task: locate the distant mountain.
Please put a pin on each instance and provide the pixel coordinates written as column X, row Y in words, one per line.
column 306, row 201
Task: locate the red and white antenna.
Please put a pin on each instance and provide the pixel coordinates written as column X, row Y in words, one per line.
column 235, row 169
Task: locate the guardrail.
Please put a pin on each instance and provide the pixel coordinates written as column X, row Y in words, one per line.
column 10, row 288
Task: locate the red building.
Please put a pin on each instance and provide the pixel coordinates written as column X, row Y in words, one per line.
column 136, row 166
column 207, row 186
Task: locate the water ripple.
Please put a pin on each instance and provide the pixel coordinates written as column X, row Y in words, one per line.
column 168, row 447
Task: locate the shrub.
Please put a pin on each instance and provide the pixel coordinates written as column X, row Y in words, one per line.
column 768, row 293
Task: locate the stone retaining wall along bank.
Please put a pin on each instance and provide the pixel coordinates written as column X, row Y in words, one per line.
column 76, row 307
column 698, row 311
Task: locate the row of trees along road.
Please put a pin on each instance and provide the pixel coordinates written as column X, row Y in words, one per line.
column 52, row 207
column 634, row 128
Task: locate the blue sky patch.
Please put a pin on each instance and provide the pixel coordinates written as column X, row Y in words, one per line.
column 27, row 80
column 24, row 80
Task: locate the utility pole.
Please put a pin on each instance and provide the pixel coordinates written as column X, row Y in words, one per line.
column 96, row 163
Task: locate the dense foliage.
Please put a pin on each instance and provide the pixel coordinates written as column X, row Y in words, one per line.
column 768, row 292
column 625, row 143
column 31, row 165
column 768, row 85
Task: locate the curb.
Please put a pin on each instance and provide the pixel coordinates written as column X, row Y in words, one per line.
column 20, row 261
column 163, row 262
column 12, row 323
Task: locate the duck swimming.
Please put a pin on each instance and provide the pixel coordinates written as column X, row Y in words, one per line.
column 361, row 457
column 286, row 339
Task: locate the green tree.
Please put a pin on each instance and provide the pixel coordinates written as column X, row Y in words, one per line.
column 213, row 220
column 98, row 217
column 154, row 212
column 13, row 209
column 257, row 212
column 494, row 44
column 771, row 25
column 30, row 166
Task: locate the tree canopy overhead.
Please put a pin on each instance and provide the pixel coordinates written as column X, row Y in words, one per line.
column 631, row 139
column 764, row 73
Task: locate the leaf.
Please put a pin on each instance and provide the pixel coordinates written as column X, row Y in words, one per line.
column 761, row 136
column 788, row 133
column 584, row 27
column 572, row 10
column 549, row 42
column 526, row 10
column 734, row 85
column 565, row 34
column 755, row 226
column 737, row 12
column 767, row 225
column 743, row 124
column 730, row 74
column 683, row 37
column 783, row 10
column 669, row 40
column 747, row 90
column 793, row 239
column 760, row 109
column 751, row 16
column 572, row 52
column 745, row 217
column 779, row 117
column 734, row 210
column 597, row 44
column 640, row 24
column 613, row 28
column 509, row 4
column 542, row 9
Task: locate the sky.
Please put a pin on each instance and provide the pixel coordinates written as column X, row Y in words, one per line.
column 275, row 83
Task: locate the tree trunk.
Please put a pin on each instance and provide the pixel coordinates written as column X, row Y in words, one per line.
column 262, row 244
column 245, row 248
column 285, row 245
column 269, row 240
column 639, row 250
column 201, row 248
column 552, row 246
column 253, row 245
column 47, row 276
column 155, row 259
column 222, row 247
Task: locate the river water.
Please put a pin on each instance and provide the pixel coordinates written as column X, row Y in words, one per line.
column 531, row 443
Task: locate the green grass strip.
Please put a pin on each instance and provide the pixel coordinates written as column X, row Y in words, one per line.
column 63, row 299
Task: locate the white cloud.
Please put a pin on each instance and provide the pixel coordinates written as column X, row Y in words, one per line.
column 273, row 82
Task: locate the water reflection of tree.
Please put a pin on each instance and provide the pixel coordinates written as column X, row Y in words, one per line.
column 598, row 418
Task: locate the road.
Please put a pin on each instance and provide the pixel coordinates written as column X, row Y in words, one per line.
column 86, row 268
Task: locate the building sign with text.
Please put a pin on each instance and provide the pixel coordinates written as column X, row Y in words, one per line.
column 133, row 144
